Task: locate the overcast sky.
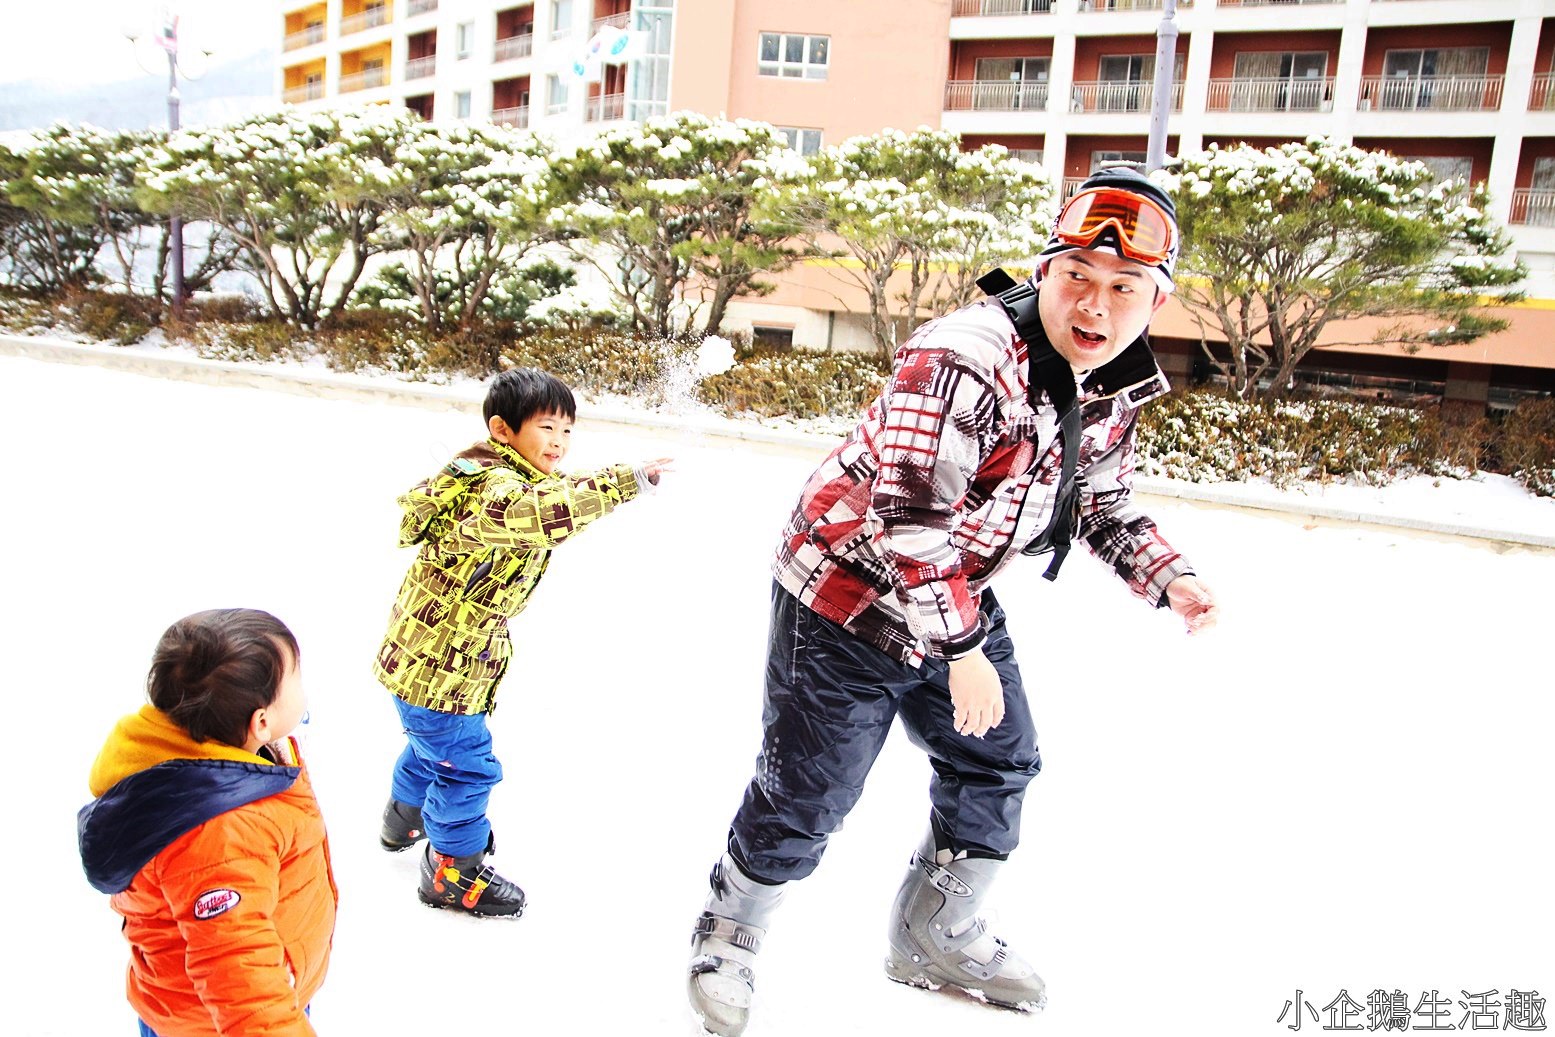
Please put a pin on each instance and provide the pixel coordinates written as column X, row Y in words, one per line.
column 77, row 42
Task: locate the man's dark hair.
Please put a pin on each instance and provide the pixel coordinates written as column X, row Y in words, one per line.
column 213, row 669
column 516, row 396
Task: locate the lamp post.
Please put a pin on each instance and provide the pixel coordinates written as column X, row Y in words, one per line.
column 167, row 39
column 1165, row 74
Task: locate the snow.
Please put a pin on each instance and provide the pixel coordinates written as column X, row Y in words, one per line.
column 1344, row 786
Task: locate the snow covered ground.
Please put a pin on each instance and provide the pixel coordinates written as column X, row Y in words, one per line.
column 1346, row 786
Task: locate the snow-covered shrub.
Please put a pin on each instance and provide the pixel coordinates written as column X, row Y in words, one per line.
column 797, row 384
column 1527, row 445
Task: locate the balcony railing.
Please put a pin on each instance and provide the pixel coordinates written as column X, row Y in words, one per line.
column 620, row 21
column 1072, row 186
column 991, row 8
column 420, row 68
column 364, row 20
column 994, row 95
column 1273, row 3
column 605, row 108
column 1533, row 207
column 517, row 117
column 306, row 92
column 1127, row 5
column 306, row 38
column 1275, row 94
column 416, row 7
column 515, row 47
column 1432, row 93
column 1542, row 97
column 363, row 80
column 1113, row 96
column 1033, row 155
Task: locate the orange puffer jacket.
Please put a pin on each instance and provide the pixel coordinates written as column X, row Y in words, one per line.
column 218, row 861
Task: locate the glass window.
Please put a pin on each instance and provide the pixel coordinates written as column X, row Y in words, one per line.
column 806, row 142
column 793, row 55
column 555, row 95
column 561, row 18
column 462, row 104
column 464, row 40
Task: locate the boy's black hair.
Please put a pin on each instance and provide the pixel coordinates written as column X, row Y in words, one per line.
column 213, row 669
column 516, row 396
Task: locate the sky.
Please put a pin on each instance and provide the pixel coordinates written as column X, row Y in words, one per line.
column 1343, row 787
column 82, row 42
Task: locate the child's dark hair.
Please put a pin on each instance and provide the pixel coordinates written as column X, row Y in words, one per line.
column 516, row 396
column 213, row 669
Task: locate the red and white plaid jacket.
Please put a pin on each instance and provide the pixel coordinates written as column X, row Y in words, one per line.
column 949, row 474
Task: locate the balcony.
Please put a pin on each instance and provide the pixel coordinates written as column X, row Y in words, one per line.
column 1273, row 3
column 1104, row 95
column 1128, row 5
column 420, row 68
column 619, row 21
column 350, row 82
column 306, row 38
column 1542, row 97
column 515, row 47
column 518, row 117
column 1533, row 207
column 996, row 8
column 605, row 108
column 1072, row 186
column 368, row 19
column 306, row 92
column 1432, row 93
column 994, row 95
column 1276, row 94
column 416, row 7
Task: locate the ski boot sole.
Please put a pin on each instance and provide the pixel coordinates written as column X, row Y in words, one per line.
column 443, row 906
column 912, row 974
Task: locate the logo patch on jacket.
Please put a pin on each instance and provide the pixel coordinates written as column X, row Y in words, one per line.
column 215, row 902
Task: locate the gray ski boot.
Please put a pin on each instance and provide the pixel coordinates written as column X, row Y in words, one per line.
column 938, row 939
column 723, row 947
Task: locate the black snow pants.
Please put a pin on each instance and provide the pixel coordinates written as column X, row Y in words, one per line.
column 830, row 701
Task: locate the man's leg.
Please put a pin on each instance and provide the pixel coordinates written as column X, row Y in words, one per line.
column 937, row 935
column 830, row 700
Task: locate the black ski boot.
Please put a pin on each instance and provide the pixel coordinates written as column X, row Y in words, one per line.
column 402, row 826
column 468, row 884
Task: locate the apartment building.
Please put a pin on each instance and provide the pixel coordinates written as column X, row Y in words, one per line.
column 1467, row 86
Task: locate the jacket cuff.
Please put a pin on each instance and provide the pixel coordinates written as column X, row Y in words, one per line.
column 964, row 645
column 645, row 485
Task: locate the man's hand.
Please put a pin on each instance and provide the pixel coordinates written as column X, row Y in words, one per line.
column 977, row 694
column 1194, row 602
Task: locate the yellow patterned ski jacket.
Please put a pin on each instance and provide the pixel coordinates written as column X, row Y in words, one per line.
column 486, row 524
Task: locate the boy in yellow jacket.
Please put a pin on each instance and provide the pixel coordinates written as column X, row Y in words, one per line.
column 485, row 524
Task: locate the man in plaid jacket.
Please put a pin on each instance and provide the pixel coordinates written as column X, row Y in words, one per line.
column 1006, row 427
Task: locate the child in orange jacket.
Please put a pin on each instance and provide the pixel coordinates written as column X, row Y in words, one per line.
column 206, row 832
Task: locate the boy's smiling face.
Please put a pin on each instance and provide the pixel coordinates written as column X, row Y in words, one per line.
column 542, row 439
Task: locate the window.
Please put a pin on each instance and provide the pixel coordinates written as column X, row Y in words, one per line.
column 1291, row 81
column 1450, row 77
column 464, row 40
column 792, row 56
column 772, row 336
column 555, row 95
column 561, row 18
column 1447, row 167
column 1010, row 84
column 462, row 104
column 648, row 77
column 806, row 142
column 1127, row 82
column 1102, row 159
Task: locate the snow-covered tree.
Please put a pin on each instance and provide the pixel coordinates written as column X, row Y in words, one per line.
column 302, row 193
column 675, row 206
column 918, row 202
column 1280, row 242
column 476, row 206
column 70, row 190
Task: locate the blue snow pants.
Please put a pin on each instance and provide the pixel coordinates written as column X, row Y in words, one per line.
column 448, row 770
column 830, row 702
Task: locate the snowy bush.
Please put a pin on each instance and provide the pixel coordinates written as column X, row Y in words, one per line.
column 797, row 384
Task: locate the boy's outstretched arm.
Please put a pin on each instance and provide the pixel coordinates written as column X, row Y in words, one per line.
column 518, row 514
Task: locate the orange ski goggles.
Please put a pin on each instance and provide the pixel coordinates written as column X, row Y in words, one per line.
column 1145, row 233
